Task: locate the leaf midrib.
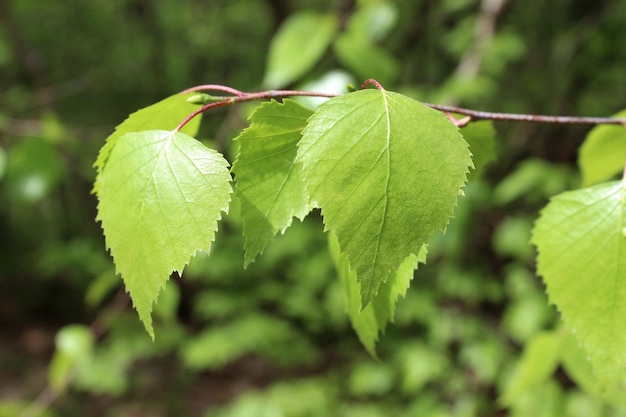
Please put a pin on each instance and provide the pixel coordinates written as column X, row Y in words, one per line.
column 367, row 294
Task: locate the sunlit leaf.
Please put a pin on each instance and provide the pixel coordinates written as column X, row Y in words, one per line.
column 602, row 153
column 269, row 182
column 576, row 364
column 166, row 115
column 386, row 172
column 372, row 320
column 297, row 46
column 161, row 197
column 582, row 256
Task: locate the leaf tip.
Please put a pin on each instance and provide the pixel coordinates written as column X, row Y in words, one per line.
column 145, row 316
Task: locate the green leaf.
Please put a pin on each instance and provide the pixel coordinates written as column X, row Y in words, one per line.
column 297, row 46
column 582, row 257
column 372, row 320
column 161, row 197
column 268, row 181
column 165, row 115
column 541, row 356
column 602, row 153
column 481, row 137
column 386, row 172
column 576, row 365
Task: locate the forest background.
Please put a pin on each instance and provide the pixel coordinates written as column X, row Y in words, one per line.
column 274, row 339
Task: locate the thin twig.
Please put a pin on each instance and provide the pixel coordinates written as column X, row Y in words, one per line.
column 473, row 115
column 214, row 87
column 530, row 118
column 243, row 97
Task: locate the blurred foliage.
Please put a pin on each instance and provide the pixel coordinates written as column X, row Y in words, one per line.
column 274, row 339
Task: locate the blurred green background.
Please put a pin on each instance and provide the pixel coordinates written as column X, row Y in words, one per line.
column 274, row 340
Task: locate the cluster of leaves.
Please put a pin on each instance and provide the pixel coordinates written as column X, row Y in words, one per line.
column 161, row 192
column 443, row 356
column 386, row 172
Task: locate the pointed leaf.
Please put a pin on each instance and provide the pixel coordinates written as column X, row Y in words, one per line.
column 372, row 320
column 269, row 182
column 603, row 152
column 165, row 115
column 582, row 257
column 298, row 45
column 386, row 172
column 161, row 197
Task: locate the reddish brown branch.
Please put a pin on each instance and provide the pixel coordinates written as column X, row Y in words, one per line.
column 472, row 115
column 529, row 118
column 214, row 87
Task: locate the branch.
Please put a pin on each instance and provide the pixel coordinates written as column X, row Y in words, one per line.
column 209, row 102
column 529, row 118
column 240, row 97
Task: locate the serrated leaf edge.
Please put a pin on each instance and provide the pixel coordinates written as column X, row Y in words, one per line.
column 147, row 321
column 566, row 322
column 248, row 259
column 315, row 204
